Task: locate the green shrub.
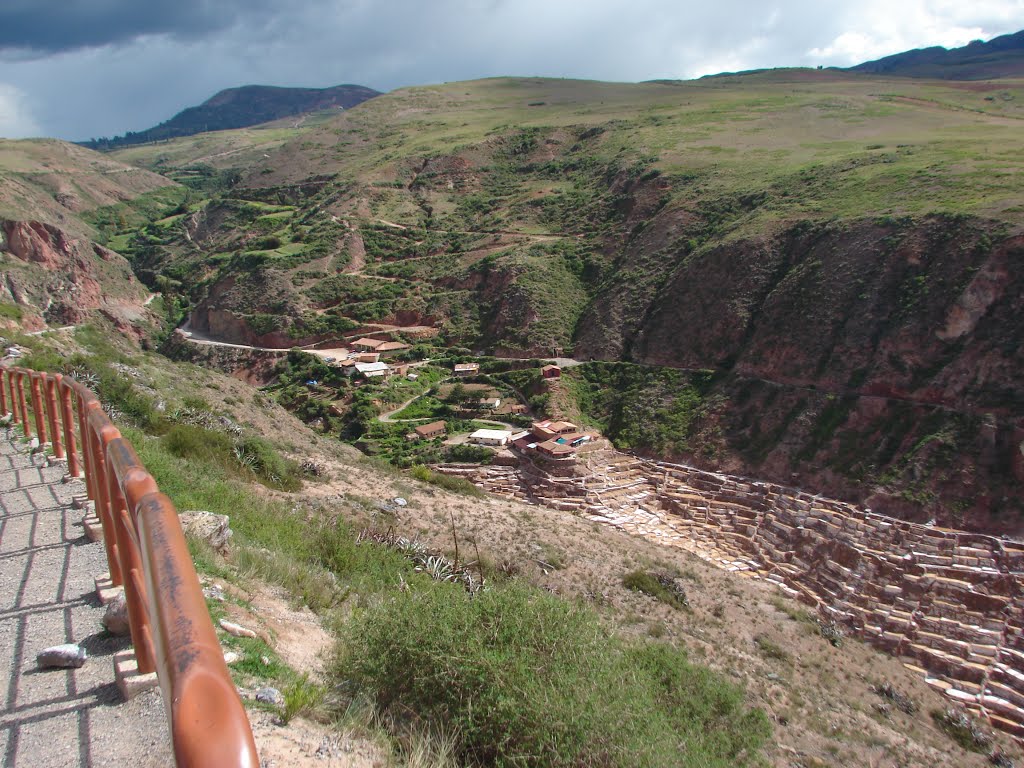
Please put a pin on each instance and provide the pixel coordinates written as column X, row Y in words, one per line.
column 448, row 482
column 246, row 457
column 300, row 697
column 962, row 728
column 523, row 678
column 770, row 649
column 267, row 464
column 472, row 454
column 658, row 586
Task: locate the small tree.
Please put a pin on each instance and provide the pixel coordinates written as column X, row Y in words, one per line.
column 458, row 395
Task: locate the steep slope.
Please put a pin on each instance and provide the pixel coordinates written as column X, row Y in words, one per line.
column 842, row 235
column 242, row 107
column 57, row 182
column 1000, row 57
column 55, row 199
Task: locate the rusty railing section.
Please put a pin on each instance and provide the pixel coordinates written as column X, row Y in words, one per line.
column 147, row 555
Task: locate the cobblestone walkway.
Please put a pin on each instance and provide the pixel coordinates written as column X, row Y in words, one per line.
column 47, row 597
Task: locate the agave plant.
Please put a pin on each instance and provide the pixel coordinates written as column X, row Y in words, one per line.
column 244, row 458
column 82, row 375
column 438, row 568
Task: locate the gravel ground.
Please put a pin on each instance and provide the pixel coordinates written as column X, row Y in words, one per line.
column 47, row 597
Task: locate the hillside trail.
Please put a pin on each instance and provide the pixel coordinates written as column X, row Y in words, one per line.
column 73, row 717
column 386, row 417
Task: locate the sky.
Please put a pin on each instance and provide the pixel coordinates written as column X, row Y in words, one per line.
column 78, row 69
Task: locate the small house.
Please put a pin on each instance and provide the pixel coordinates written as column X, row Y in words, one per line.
column 556, row 450
column 373, row 370
column 467, row 369
column 499, row 437
column 489, row 403
column 562, row 427
column 542, row 431
column 368, row 357
column 551, row 372
column 367, row 345
column 392, row 346
column 432, row 430
column 547, row 429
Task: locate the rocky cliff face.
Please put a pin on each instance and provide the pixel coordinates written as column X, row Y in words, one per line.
column 65, row 280
column 875, row 360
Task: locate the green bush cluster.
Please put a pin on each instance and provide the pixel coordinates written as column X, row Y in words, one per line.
column 245, row 457
column 660, row 409
column 522, row 678
column 658, row 586
column 448, row 482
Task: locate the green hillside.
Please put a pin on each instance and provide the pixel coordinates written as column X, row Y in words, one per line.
column 852, row 235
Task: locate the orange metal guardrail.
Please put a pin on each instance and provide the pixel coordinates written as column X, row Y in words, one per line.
column 147, row 554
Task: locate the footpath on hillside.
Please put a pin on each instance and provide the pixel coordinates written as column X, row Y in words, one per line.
column 73, row 717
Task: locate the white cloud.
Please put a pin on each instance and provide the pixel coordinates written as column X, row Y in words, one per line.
column 872, row 29
column 16, row 120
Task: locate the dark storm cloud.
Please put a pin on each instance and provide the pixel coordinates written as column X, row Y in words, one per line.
column 50, row 26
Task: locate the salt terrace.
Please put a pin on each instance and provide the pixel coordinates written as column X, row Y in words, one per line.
column 950, row 603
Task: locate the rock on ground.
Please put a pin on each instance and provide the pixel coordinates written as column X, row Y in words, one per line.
column 211, row 528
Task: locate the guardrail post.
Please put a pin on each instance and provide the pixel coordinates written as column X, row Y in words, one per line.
column 37, row 408
column 26, row 428
column 85, row 443
column 51, row 416
column 100, row 473
column 3, row 393
column 68, row 423
column 9, row 375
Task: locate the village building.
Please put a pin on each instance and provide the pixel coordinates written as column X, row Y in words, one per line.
column 513, row 408
column 548, row 430
column 562, row 427
column 373, row 370
column 367, row 357
column 489, row 403
column 392, row 346
column 367, row 345
column 499, row 437
column 574, row 439
column 467, row 369
column 431, row 430
column 551, row 372
column 348, row 367
column 556, row 450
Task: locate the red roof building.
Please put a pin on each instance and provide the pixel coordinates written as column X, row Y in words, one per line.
column 432, row 430
column 551, row 372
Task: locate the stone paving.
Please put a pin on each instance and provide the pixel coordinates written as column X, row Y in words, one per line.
column 47, row 597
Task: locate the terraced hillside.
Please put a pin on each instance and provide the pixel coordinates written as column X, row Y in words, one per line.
column 837, row 251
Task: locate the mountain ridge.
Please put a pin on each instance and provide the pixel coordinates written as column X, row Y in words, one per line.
column 1000, row 57
column 241, row 107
